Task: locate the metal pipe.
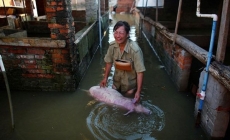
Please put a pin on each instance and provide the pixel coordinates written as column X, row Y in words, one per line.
column 156, row 11
column 23, row 1
column 99, row 23
column 198, row 14
column 177, row 21
column 8, row 90
column 145, row 7
column 205, row 81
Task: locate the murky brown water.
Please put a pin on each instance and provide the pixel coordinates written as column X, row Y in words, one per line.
column 76, row 115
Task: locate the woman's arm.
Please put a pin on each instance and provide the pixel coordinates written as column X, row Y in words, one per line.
column 107, row 71
column 140, row 76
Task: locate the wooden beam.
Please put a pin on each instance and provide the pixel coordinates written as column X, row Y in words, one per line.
column 223, row 33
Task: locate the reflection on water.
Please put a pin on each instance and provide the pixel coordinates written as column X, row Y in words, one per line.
column 107, row 122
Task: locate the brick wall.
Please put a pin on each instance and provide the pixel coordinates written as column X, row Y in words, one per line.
column 177, row 61
column 36, row 64
column 43, row 63
column 48, row 64
column 124, row 5
column 215, row 115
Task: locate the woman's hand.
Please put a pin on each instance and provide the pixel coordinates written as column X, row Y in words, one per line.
column 137, row 97
column 103, row 82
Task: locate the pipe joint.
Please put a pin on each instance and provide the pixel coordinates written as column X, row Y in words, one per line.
column 198, row 14
column 201, row 95
column 1, row 64
column 213, row 16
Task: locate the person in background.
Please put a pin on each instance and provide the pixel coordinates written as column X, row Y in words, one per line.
column 127, row 57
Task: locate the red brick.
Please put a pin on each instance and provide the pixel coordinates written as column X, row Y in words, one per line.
column 39, row 56
column 185, row 66
column 60, row 51
column 29, row 61
column 57, row 56
column 65, row 51
column 35, row 51
column 16, row 62
column 30, row 75
column 17, row 51
column 50, row 15
column 28, row 66
column 48, row 76
column 35, row 71
column 50, row 9
column 53, row 36
column 57, row 60
column 64, row 30
column 54, row 25
column 53, row 3
column 60, row 3
column 31, row 66
column 57, row 51
column 59, row 8
column 25, row 56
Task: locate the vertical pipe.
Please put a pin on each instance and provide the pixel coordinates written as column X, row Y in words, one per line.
column 8, row 90
column 156, row 11
column 23, row 1
column 205, row 81
column 177, row 21
column 145, row 7
column 99, row 23
column 146, row 3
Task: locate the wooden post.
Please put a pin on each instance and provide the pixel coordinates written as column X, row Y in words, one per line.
column 223, row 33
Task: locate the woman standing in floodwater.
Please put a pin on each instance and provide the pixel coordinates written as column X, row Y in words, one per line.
column 129, row 63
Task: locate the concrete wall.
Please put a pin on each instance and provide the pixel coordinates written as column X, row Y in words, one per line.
column 92, row 11
column 215, row 116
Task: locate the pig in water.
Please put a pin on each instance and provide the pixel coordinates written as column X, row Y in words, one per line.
column 111, row 96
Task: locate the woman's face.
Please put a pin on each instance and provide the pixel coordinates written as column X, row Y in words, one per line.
column 120, row 35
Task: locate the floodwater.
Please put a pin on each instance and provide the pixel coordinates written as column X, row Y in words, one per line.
column 76, row 115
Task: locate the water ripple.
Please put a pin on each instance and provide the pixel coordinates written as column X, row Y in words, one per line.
column 108, row 122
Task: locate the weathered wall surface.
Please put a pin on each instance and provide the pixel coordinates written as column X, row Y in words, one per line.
column 215, row 116
column 124, row 5
column 177, row 61
column 56, row 63
column 36, row 64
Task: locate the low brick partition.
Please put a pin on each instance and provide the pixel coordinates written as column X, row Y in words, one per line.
column 36, row 64
column 215, row 112
column 176, row 59
column 56, row 63
column 124, row 6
